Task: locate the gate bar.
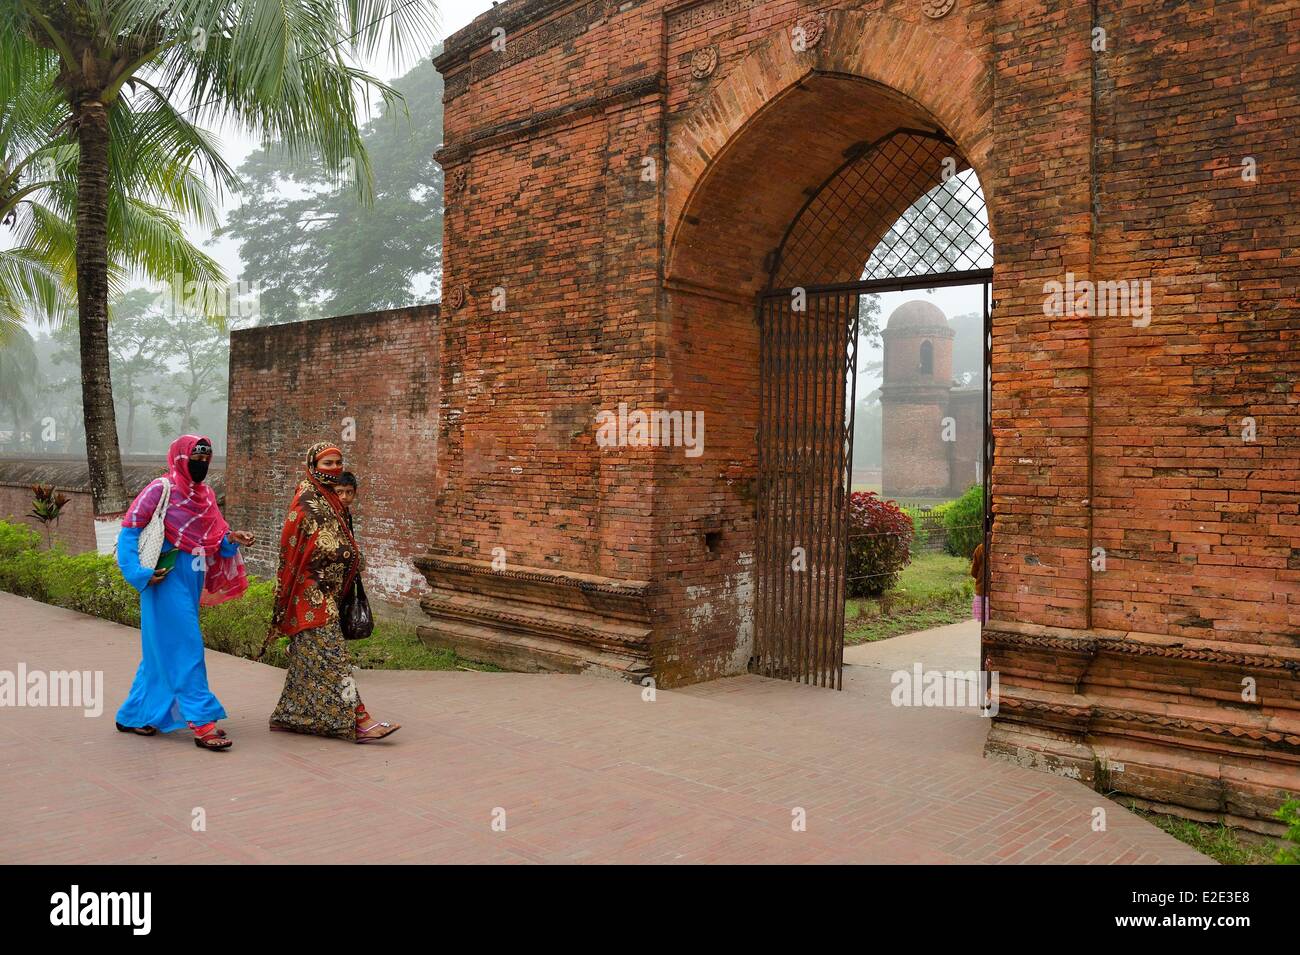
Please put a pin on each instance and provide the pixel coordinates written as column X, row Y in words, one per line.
column 907, row 284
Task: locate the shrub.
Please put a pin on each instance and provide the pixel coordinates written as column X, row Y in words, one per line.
column 239, row 626
column 22, row 563
column 92, row 584
column 880, row 541
column 87, row 583
column 16, row 538
column 963, row 519
column 920, row 534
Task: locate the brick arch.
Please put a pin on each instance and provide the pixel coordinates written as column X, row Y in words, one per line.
column 871, row 71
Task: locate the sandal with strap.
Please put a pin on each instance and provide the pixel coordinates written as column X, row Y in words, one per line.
column 137, row 730
column 209, row 737
column 376, row 730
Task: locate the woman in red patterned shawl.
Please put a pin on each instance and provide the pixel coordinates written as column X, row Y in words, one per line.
column 319, row 561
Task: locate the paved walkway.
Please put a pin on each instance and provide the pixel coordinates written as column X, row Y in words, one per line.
column 954, row 647
column 584, row 770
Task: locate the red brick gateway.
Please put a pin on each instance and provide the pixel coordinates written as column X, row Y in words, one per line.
column 622, row 180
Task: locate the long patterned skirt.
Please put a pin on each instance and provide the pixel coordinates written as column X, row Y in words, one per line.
column 320, row 696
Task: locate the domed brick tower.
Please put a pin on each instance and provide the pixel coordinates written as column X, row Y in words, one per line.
column 917, row 380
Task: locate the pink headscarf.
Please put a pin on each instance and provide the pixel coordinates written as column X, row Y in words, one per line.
column 193, row 523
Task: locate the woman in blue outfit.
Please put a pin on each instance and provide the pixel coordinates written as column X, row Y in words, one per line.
column 170, row 690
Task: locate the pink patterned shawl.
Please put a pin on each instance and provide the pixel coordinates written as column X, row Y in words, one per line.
column 194, row 523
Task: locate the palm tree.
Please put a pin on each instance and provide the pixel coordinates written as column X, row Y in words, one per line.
column 38, row 189
column 275, row 67
column 30, row 284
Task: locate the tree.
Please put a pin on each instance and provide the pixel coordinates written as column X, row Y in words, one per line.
column 275, row 67
column 137, row 352
column 30, row 282
column 19, row 378
column 201, row 352
column 311, row 249
column 39, row 161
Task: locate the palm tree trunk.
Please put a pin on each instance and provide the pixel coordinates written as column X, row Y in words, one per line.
column 102, row 452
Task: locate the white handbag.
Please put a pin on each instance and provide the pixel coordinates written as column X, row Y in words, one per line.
column 151, row 538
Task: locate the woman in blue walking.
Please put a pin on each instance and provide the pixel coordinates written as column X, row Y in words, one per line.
column 170, row 690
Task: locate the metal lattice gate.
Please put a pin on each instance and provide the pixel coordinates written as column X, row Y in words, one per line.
column 908, row 206
column 808, row 364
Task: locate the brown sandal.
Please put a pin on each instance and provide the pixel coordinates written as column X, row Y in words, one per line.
column 376, row 731
column 137, row 730
column 209, row 737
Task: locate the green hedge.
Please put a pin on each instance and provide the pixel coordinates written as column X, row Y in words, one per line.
column 92, row 584
column 87, row 583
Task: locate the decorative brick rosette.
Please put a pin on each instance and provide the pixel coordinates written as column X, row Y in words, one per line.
column 813, row 27
column 934, row 9
column 704, row 61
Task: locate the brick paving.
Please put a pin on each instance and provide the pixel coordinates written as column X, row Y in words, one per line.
column 584, row 769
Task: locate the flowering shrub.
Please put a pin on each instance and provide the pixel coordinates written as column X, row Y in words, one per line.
column 880, row 544
column 47, row 505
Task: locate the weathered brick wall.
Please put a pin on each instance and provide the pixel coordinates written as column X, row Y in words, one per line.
column 368, row 382
column 1201, row 525
column 545, row 322
column 76, row 526
column 914, row 457
column 1129, row 509
column 70, row 476
column 966, row 408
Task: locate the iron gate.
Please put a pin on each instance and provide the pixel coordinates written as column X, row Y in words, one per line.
column 808, row 365
column 909, row 207
column 807, row 396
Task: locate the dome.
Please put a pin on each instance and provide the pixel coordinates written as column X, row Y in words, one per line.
column 917, row 315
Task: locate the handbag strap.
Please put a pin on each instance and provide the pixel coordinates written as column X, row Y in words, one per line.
column 160, row 512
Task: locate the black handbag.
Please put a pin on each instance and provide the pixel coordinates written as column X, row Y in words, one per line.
column 354, row 616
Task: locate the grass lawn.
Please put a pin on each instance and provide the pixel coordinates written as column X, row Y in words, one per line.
column 1222, row 844
column 933, row 590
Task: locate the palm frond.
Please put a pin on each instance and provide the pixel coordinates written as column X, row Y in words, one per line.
column 30, row 289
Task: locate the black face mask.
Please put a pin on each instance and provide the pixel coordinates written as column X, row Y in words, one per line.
column 198, row 470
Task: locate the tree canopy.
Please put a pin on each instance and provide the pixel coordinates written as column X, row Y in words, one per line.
column 311, row 249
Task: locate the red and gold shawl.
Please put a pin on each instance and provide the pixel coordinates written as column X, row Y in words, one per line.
column 319, row 558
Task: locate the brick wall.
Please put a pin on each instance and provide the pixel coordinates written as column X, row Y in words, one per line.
column 1120, row 165
column 76, row 526
column 70, row 476
column 966, row 408
column 368, row 382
